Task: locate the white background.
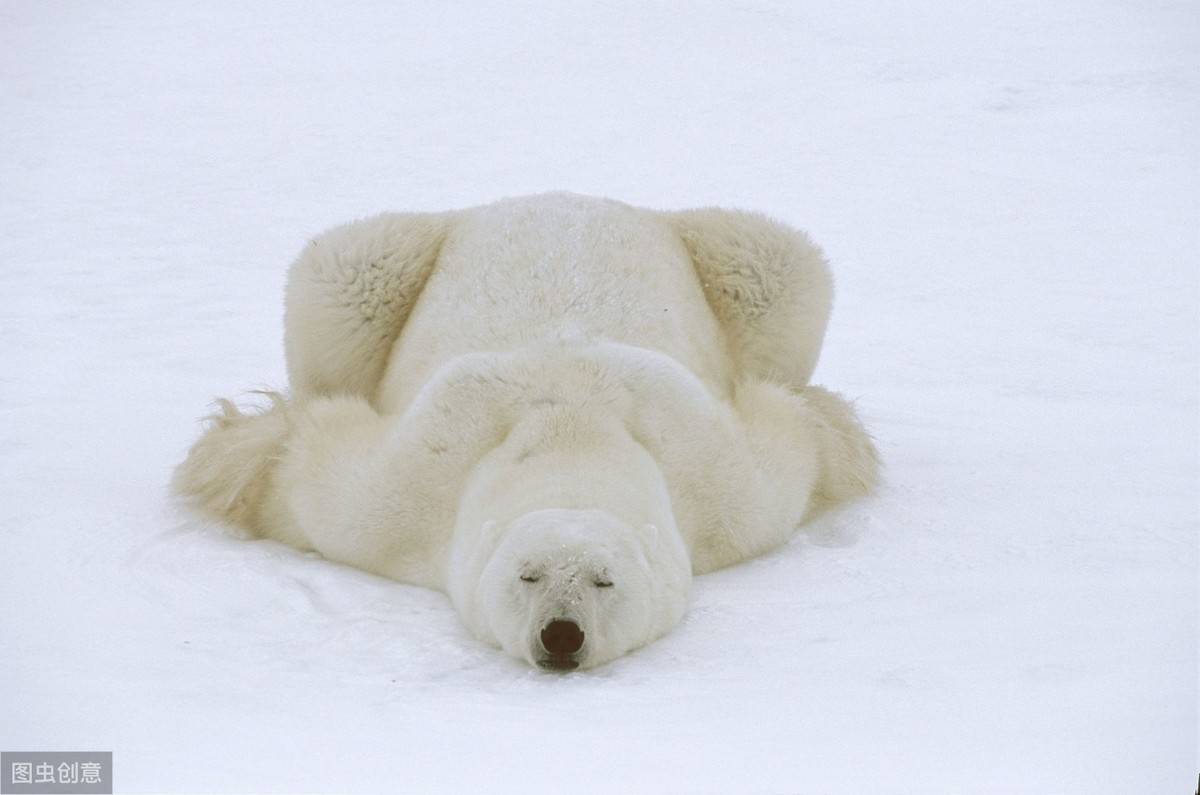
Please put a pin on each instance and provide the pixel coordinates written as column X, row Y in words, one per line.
column 1008, row 195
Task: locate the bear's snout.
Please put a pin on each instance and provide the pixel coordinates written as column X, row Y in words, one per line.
column 561, row 638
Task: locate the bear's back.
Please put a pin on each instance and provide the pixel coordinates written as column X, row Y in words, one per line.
column 529, row 269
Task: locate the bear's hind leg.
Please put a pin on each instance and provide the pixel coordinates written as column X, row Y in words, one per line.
column 349, row 294
column 768, row 285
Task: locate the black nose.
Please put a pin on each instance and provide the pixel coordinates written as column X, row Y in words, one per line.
column 562, row 637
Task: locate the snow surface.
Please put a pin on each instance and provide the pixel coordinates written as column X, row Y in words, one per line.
column 1009, row 198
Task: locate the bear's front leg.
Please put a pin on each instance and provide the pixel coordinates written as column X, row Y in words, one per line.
column 226, row 474
column 806, row 451
column 811, row 448
column 332, row 475
column 252, row 469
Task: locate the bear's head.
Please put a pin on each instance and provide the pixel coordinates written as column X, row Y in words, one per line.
column 566, row 589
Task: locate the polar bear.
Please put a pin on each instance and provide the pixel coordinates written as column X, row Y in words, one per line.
column 556, row 409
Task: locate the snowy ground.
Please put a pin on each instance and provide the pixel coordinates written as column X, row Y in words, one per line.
column 1009, row 197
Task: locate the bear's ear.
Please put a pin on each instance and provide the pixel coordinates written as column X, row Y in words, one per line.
column 768, row 285
column 348, row 296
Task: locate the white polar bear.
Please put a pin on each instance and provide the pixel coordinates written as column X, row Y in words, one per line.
column 555, row 409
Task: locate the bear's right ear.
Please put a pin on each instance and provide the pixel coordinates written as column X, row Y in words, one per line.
column 348, row 296
column 768, row 285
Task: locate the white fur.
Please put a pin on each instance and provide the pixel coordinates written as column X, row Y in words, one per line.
column 585, row 392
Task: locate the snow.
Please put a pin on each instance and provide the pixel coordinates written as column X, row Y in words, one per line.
column 1008, row 193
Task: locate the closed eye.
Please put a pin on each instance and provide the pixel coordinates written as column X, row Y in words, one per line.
column 602, row 583
column 530, row 578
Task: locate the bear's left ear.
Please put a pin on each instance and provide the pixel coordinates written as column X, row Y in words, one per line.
column 768, row 285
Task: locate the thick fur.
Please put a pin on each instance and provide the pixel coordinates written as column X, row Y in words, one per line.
column 348, row 296
column 226, row 474
column 585, row 392
column 769, row 286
